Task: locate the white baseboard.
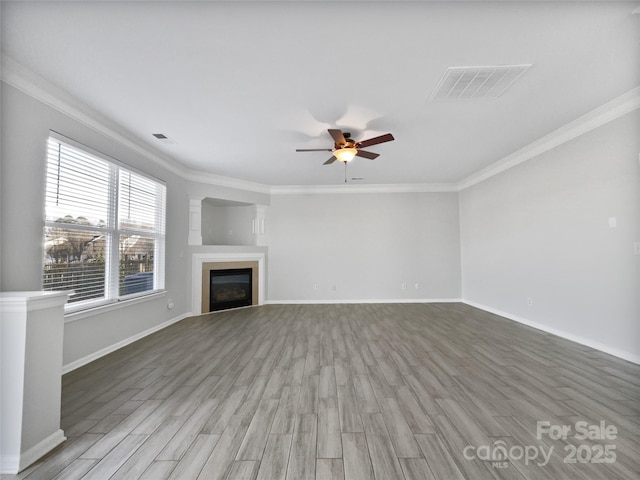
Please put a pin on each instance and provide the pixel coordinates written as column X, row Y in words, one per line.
column 369, row 300
column 112, row 348
column 616, row 352
column 41, row 449
column 12, row 464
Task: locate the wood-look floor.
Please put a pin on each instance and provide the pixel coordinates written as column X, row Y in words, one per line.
column 344, row 392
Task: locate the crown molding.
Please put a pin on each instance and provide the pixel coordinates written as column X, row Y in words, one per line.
column 377, row 188
column 602, row 115
column 222, row 181
column 25, row 80
column 18, row 76
column 15, row 74
column 616, row 108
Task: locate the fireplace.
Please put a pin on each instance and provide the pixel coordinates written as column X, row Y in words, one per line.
column 230, row 288
column 238, row 292
column 204, row 263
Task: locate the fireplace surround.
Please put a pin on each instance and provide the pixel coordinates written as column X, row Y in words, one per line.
column 203, row 263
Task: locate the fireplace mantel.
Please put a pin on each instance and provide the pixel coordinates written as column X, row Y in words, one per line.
column 198, row 259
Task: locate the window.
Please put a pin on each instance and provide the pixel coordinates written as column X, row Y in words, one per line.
column 104, row 231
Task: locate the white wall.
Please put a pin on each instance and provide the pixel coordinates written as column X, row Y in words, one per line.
column 227, row 193
column 541, row 231
column 366, row 245
column 25, row 127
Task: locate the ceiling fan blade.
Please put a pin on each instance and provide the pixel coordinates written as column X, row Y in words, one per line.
column 337, row 136
column 330, row 161
column 387, row 137
column 313, row 150
column 369, row 155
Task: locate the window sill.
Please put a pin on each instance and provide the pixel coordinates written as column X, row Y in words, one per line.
column 100, row 309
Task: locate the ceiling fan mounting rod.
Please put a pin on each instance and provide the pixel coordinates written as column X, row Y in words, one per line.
column 348, row 144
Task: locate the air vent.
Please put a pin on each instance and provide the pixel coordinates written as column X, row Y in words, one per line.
column 477, row 82
column 163, row 138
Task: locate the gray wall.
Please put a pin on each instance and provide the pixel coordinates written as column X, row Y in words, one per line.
column 226, row 225
column 541, row 231
column 25, row 127
column 366, row 245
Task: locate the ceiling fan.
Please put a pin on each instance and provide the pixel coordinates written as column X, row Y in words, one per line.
column 345, row 148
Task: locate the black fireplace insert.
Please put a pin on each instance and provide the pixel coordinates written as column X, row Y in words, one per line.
column 230, row 288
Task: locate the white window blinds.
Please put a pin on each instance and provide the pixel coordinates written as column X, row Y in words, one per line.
column 77, row 186
column 104, row 227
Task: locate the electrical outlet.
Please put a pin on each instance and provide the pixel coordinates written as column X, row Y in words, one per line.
column 315, row 286
column 530, row 301
column 417, row 285
column 404, row 285
column 334, row 288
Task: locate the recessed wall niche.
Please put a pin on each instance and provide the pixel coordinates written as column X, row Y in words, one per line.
column 227, row 222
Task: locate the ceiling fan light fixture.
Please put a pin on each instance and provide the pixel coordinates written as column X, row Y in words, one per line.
column 345, row 154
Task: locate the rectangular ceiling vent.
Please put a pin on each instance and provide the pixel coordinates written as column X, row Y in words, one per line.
column 163, row 138
column 477, row 82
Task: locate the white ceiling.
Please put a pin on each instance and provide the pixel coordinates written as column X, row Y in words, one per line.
column 240, row 85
